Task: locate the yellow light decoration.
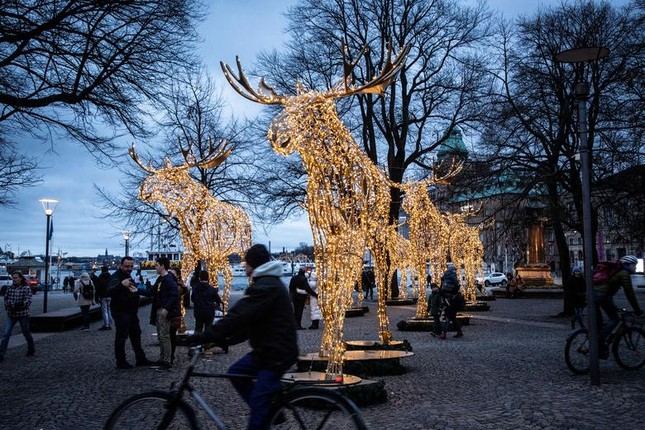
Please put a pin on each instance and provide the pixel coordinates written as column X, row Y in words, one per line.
column 466, row 250
column 348, row 197
column 429, row 238
column 211, row 230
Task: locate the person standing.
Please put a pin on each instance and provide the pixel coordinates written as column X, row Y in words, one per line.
column 452, row 298
column 103, row 298
column 167, row 305
column 579, row 292
column 264, row 316
column 205, row 300
column 17, row 303
column 299, row 289
column 314, row 309
column 84, row 293
column 125, row 306
column 183, row 292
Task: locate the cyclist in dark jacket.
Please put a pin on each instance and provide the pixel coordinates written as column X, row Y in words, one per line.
column 604, row 299
column 264, row 316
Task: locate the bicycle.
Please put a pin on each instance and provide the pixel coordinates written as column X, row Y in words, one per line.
column 296, row 406
column 627, row 345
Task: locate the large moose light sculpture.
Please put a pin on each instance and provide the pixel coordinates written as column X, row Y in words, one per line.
column 210, row 229
column 348, row 197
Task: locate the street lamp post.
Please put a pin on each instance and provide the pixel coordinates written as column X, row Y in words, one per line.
column 49, row 206
column 581, row 92
column 126, row 237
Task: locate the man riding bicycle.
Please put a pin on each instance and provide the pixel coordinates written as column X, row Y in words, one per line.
column 604, row 298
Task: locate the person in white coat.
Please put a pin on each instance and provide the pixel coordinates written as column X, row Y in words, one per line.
column 312, row 278
column 84, row 293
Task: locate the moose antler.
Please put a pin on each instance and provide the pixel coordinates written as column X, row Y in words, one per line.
column 265, row 94
column 135, row 157
column 214, row 157
column 378, row 84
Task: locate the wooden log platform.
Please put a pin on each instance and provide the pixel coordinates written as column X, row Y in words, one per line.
column 427, row 324
column 400, row 302
column 477, row 306
column 361, row 363
column 355, row 312
column 363, row 392
column 362, row 345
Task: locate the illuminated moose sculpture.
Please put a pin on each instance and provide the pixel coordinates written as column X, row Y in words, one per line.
column 210, row 229
column 348, row 197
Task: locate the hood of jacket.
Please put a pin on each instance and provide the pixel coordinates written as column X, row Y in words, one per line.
column 271, row 268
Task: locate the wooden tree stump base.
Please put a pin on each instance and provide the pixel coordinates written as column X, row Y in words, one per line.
column 361, row 363
column 361, row 345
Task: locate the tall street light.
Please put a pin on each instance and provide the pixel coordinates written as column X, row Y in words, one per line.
column 126, row 237
column 581, row 92
column 49, row 206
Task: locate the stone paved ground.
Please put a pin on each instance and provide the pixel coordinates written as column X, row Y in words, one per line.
column 508, row 372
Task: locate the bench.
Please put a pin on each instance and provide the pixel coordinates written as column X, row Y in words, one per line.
column 67, row 318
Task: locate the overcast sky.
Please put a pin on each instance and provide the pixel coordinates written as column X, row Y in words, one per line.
column 240, row 27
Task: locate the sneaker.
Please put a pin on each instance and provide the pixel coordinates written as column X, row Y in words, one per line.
column 124, row 365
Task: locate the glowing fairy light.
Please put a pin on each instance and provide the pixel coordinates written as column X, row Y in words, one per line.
column 211, row 230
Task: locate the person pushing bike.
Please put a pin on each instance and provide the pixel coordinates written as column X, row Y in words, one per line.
column 604, row 299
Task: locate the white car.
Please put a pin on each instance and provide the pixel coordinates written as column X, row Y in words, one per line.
column 5, row 281
column 495, row 278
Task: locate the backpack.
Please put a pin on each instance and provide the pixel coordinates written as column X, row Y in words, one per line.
column 87, row 291
column 605, row 270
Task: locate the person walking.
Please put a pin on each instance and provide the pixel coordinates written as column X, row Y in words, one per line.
column 264, row 316
column 578, row 287
column 102, row 297
column 314, row 309
column 84, row 293
column 125, row 306
column 299, row 289
column 17, row 303
column 205, row 300
column 167, row 305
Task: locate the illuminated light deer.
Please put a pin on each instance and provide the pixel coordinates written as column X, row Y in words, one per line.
column 348, row 197
column 428, row 237
column 210, row 229
column 466, row 250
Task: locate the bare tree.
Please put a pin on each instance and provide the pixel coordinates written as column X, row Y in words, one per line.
column 16, row 171
column 532, row 129
column 63, row 63
column 442, row 85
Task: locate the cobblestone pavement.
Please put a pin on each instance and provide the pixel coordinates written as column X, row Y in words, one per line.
column 508, row 372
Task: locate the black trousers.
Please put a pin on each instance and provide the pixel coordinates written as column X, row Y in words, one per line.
column 127, row 326
column 299, row 307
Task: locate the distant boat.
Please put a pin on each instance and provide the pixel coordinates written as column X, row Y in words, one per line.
column 238, row 270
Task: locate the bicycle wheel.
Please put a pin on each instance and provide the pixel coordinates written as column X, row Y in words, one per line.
column 629, row 349
column 150, row 411
column 576, row 352
column 315, row 408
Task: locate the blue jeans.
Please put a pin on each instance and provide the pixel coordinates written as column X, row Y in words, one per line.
column 257, row 394
column 606, row 303
column 105, row 311
column 9, row 324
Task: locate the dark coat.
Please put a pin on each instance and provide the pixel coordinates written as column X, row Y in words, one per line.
column 300, row 282
column 264, row 316
column 204, row 299
column 122, row 299
column 101, row 284
column 578, row 290
column 167, row 296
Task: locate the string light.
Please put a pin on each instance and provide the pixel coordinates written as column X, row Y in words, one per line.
column 211, row 230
